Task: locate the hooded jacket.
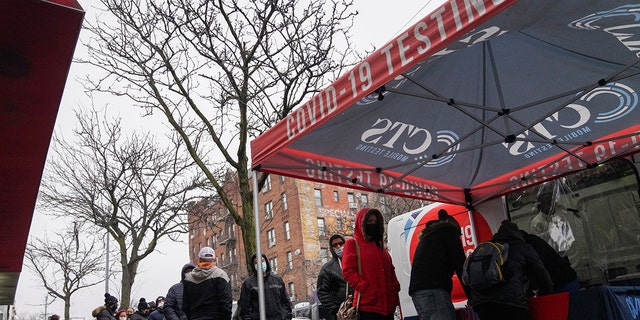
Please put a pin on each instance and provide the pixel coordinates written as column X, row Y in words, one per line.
column 439, row 253
column 173, row 301
column 207, row 294
column 523, row 265
column 559, row 268
column 378, row 284
column 331, row 285
column 276, row 300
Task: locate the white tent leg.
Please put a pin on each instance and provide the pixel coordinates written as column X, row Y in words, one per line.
column 474, row 239
column 256, row 218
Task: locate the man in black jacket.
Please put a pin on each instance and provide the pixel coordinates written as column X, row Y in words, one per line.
column 522, row 267
column 439, row 253
column 276, row 300
column 331, row 284
column 207, row 292
column 563, row 276
column 173, row 304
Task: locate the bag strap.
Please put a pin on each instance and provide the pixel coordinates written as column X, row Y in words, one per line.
column 359, row 269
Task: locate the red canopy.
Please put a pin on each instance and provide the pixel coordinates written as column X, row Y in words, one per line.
column 37, row 40
column 474, row 101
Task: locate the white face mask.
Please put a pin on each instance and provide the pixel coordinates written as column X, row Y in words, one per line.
column 160, row 304
column 123, row 318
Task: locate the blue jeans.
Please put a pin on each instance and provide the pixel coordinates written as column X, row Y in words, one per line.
column 434, row 304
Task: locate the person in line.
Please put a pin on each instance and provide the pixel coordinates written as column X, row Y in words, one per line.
column 158, row 313
column 563, row 276
column 438, row 255
column 206, row 290
column 331, row 285
column 173, row 304
column 143, row 311
column 130, row 311
column 540, row 222
column 108, row 311
column 276, row 299
column 122, row 315
column 378, row 285
column 523, row 265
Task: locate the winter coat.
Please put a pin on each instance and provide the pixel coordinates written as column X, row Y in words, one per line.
column 331, row 285
column 378, row 285
column 523, row 265
column 173, row 301
column 439, row 253
column 207, row 294
column 102, row 313
column 157, row 314
column 276, row 300
column 559, row 267
column 138, row 316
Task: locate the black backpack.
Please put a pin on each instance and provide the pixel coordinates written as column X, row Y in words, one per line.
column 482, row 269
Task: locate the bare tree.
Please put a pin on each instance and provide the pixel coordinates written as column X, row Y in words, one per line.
column 129, row 188
column 220, row 70
column 64, row 265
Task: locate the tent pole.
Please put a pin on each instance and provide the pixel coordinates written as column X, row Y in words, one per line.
column 256, row 222
column 472, row 224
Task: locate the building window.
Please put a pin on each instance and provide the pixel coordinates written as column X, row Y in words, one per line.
column 289, row 260
column 287, row 231
column 214, row 243
column 213, row 217
column 274, row 264
column 281, row 178
column 339, row 224
column 283, row 197
column 208, row 242
column 324, row 255
column 365, row 199
column 352, row 200
column 336, row 196
column 292, row 289
column 321, row 229
column 268, row 210
column 267, row 185
column 271, row 238
column 317, row 194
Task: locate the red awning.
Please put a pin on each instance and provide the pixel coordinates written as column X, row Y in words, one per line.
column 474, row 101
column 37, row 41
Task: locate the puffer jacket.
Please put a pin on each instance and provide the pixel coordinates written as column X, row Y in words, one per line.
column 378, row 285
column 331, row 285
column 173, row 304
column 276, row 300
column 523, row 265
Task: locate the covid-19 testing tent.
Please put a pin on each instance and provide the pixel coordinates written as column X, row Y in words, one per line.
column 476, row 100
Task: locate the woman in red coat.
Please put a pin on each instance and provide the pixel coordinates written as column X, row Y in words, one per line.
column 378, row 284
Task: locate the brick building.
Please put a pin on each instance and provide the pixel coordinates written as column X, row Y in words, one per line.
column 297, row 217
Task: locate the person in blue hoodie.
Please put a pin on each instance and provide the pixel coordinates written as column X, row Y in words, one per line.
column 276, row 300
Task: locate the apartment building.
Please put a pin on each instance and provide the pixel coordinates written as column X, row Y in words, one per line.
column 297, row 217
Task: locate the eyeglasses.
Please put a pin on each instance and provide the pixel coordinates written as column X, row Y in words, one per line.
column 337, row 244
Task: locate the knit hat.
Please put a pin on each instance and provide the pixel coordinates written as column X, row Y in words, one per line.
column 143, row 304
column 207, row 254
column 109, row 299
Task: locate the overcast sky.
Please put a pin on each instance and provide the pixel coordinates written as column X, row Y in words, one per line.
column 377, row 23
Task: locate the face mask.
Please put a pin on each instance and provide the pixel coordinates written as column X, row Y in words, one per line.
column 160, row 304
column 264, row 266
column 339, row 252
column 371, row 229
column 123, row 318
